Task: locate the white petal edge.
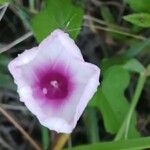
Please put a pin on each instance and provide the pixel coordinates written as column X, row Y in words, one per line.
column 89, row 92
column 68, row 45
column 22, row 59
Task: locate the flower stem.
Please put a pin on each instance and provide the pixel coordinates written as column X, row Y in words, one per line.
column 45, row 137
column 60, row 141
column 135, row 99
column 125, row 126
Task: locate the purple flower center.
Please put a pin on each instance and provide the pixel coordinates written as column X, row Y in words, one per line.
column 54, row 83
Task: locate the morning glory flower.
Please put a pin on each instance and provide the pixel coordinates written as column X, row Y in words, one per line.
column 54, row 81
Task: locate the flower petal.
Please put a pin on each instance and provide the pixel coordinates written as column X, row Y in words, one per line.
column 87, row 79
column 15, row 65
column 56, row 65
column 52, row 48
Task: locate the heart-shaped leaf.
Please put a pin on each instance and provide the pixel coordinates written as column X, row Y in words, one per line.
column 62, row 14
column 111, row 101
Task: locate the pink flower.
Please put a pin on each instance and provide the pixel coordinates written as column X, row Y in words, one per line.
column 54, row 81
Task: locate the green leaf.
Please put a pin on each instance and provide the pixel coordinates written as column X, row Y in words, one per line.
column 129, row 64
column 147, row 72
column 62, row 14
column 91, row 124
column 4, row 60
column 106, row 63
column 137, row 47
column 139, row 19
column 134, row 65
column 129, row 144
column 6, row 82
column 45, row 137
column 4, row 1
column 106, row 14
column 115, row 82
column 139, row 5
column 111, row 101
column 108, row 113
